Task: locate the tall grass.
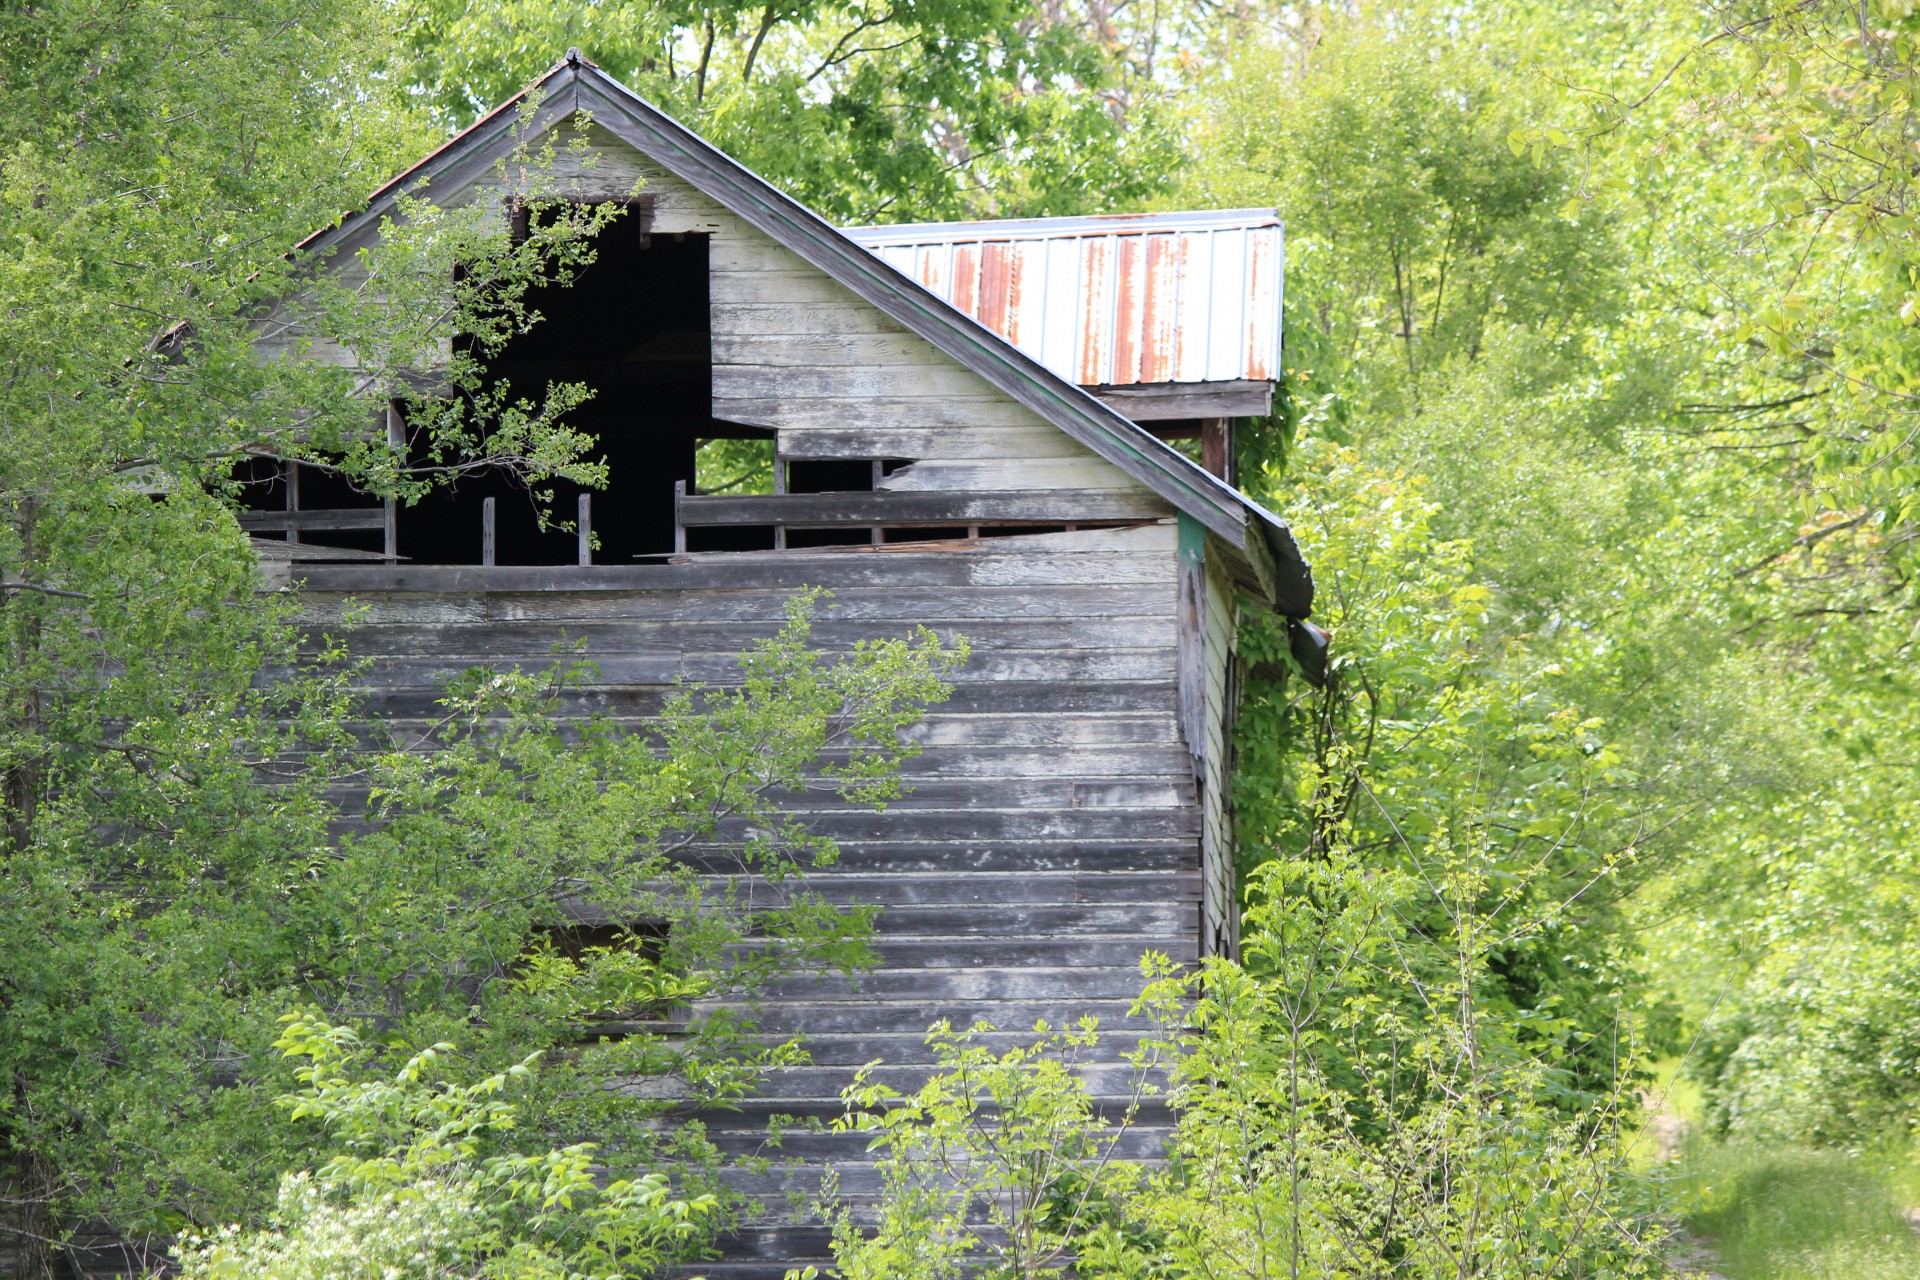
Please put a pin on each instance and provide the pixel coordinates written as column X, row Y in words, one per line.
column 1791, row 1213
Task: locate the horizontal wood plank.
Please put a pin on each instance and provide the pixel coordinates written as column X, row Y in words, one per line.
column 1008, row 475
column 932, row 443
column 734, row 319
column 882, row 383
column 980, row 565
column 1168, row 401
column 337, row 519
column 956, row 412
column 803, row 510
column 528, row 641
column 900, row 605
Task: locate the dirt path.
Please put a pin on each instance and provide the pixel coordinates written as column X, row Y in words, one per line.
column 1692, row 1257
column 1688, row 1254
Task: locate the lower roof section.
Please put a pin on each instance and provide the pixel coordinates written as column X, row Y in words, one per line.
column 1116, row 301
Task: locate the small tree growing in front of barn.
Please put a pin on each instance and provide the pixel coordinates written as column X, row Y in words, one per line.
column 1000, row 1163
column 421, row 1185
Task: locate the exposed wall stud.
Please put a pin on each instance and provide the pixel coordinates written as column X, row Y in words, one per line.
column 293, row 495
column 779, row 486
column 396, row 441
column 486, row 532
column 1216, row 447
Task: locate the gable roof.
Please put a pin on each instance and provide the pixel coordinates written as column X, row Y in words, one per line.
column 1266, row 559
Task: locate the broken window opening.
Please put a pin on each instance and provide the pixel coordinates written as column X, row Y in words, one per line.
column 723, row 465
column 311, row 510
column 612, row 972
column 634, row 327
column 831, row 475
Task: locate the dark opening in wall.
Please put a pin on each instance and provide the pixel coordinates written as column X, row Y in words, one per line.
column 634, row 326
column 832, row 475
column 294, row 502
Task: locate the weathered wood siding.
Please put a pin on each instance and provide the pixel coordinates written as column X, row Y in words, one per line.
column 1051, row 838
column 1222, row 917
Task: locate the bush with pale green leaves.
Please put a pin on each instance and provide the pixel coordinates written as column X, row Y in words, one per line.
column 420, row 1188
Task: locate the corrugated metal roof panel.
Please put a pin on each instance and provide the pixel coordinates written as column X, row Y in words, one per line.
column 1117, row 300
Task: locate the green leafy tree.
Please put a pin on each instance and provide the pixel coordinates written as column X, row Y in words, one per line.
column 1780, row 134
column 866, row 111
column 1411, row 231
column 1360, row 1099
column 1000, row 1164
column 1432, row 721
column 194, row 834
column 421, row 1188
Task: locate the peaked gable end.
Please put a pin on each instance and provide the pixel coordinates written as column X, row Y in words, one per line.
column 1259, row 547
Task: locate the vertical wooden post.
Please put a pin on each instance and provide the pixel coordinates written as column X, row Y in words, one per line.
column 396, row 441
column 779, row 486
column 877, row 535
column 1216, row 447
column 584, row 522
column 293, row 495
column 486, row 532
column 679, row 530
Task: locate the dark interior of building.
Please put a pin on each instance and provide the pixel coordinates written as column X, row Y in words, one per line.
column 634, row 326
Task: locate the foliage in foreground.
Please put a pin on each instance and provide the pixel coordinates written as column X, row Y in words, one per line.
column 1354, row 1101
column 442, row 911
column 1422, row 1065
column 422, row 1185
column 1625, row 293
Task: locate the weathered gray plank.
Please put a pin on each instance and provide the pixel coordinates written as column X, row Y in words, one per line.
column 825, row 346
column 947, row 826
column 786, row 384
column 902, row 605
column 338, row 518
column 740, row 319
column 525, row 641
column 1012, row 475
column 921, row 507
column 863, row 1015
column 985, row 564
column 1011, row 697
column 971, row 984
column 932, row 443
column 1168, row 401
column 988, row 665
column 895, row 887
column 1170, row 854
column 951, row 412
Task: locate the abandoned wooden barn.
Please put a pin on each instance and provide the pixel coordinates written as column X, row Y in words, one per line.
column 977, row 427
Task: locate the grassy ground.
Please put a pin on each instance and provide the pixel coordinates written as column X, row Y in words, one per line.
column 1787, row 1213
column 1777, row 1213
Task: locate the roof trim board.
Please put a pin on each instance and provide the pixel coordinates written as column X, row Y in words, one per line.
column 1266, row 558
column 1099, row 224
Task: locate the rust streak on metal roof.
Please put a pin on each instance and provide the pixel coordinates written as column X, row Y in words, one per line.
column 1116, row 300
